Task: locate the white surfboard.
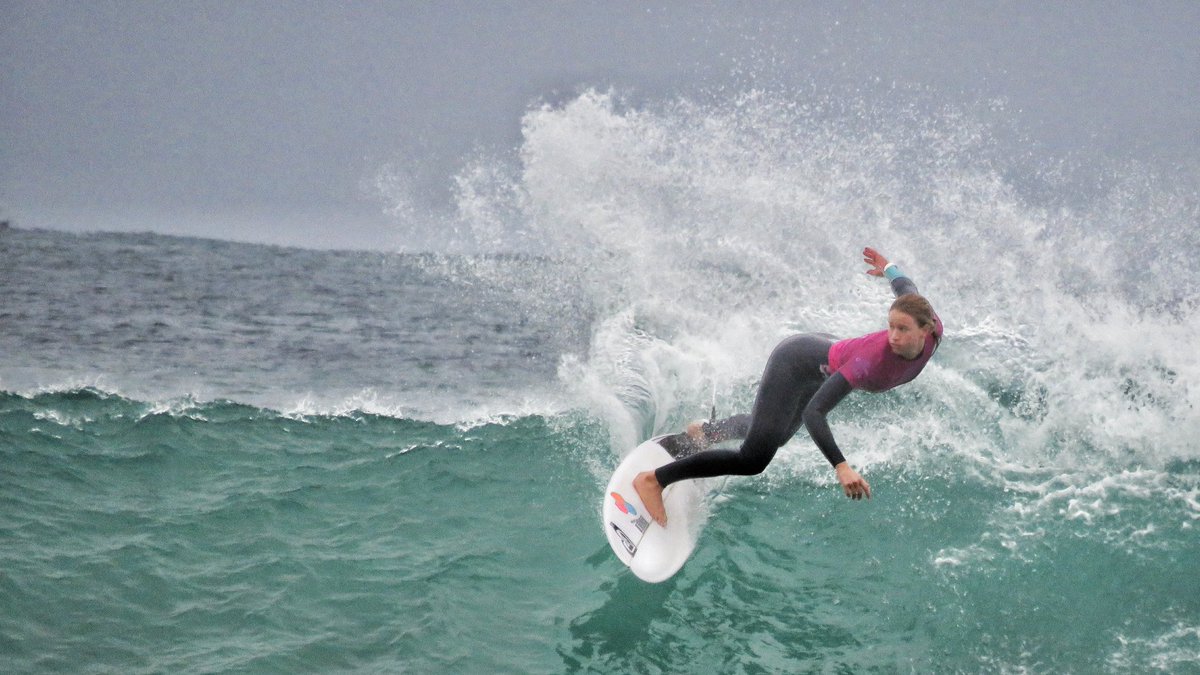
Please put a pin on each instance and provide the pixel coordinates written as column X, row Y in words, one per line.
column 654, row 553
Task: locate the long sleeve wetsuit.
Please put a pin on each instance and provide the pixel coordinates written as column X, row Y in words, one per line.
column 797, row 388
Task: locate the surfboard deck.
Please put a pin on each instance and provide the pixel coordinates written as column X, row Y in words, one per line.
column 652, row 552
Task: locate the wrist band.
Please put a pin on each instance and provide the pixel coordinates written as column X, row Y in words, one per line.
column 892, row 272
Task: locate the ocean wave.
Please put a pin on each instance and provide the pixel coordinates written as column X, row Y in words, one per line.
column 71, row 406
column 701, row 232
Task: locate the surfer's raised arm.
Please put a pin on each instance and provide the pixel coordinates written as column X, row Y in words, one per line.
column 805, row 377
column 880, row 267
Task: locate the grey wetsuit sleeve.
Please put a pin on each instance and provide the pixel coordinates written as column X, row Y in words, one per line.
column 903, row 285
column 832, row 391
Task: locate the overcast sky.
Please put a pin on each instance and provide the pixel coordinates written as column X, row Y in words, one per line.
column 183, row 117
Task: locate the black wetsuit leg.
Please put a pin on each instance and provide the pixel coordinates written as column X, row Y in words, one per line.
column 716, row 431
column 791, row 377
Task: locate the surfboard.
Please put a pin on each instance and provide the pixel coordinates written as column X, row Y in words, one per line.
column 652, row 552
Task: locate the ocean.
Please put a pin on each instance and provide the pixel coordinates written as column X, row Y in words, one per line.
column 231, row 457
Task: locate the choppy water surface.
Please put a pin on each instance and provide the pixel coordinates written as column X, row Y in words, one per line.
column 224, row 457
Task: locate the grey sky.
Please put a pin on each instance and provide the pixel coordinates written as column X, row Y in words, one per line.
column 185, row 116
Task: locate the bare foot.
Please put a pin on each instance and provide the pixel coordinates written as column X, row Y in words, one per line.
column 651, row 492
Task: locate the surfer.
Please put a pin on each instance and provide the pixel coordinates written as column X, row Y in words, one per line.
column 805, row 377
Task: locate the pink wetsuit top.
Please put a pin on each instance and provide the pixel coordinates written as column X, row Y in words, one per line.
column 868, row 363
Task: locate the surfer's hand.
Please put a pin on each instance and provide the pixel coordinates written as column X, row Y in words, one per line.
column 853, row 484
column 876, row 260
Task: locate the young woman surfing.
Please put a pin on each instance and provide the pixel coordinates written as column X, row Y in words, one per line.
column 805, row 377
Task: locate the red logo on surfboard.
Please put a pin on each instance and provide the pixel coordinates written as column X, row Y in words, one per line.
column 623, row 505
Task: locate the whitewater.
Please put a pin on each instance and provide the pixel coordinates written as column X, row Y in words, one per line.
column 227, row 457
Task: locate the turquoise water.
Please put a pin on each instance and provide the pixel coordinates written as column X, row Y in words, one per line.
column 220, row 457
column 224, row 537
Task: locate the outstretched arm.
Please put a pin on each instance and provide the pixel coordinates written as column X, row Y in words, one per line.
column 829, row 395
column 901, row 284
column 831, row 392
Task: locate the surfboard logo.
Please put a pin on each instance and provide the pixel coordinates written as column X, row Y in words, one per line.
column 624, row 506
column 625, row 540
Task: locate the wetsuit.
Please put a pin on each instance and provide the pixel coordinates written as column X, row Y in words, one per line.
column 805, row 377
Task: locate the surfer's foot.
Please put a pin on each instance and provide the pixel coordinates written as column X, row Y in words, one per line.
column 648, row 489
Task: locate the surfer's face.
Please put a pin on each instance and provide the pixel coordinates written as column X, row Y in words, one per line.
column 905, row 337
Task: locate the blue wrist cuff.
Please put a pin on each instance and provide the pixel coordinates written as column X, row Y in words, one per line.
column 892, row 272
